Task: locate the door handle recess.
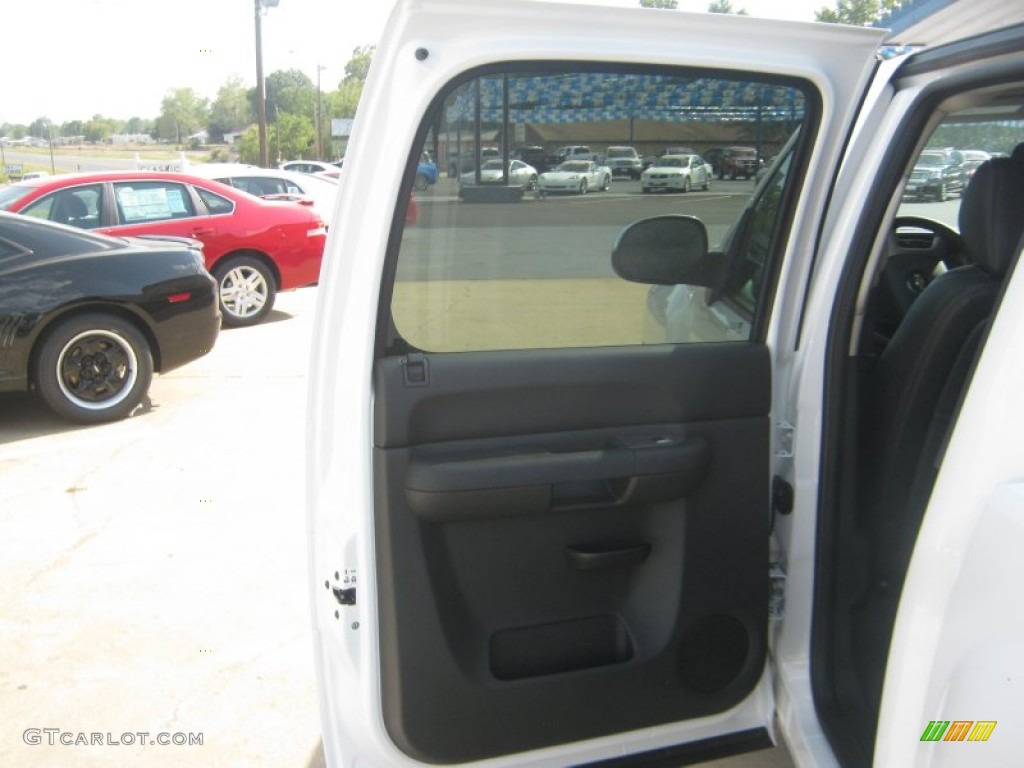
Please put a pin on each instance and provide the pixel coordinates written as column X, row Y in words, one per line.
column 536, row 481
column 586, row 559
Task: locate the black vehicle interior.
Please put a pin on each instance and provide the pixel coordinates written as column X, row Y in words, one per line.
column 916, row 385
column 71, row 209
column 926, row 321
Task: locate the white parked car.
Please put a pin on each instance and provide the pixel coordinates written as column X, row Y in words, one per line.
column 333, row 170
column 575, row 177
column 676, row 173
column 624, row 161
column 557, row 520
column 493, row 173
column 577, row 152
column 274, row 184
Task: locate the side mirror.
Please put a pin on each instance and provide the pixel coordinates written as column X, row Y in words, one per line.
column 665, row 250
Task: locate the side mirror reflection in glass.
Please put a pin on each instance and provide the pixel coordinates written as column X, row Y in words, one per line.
column 665, row 250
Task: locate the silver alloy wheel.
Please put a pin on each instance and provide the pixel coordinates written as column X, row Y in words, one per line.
column 243, row 291
column 96, row 369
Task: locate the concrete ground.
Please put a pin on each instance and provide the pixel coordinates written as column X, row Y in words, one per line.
column 153, row 571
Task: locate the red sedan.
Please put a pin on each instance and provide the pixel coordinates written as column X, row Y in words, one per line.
column 253, row 247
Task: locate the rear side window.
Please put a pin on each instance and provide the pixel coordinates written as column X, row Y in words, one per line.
column 504, row 254
column 144, row 201
column 215, row 203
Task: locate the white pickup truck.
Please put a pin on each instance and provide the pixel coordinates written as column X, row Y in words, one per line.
column 630, row 479
column 577, row 152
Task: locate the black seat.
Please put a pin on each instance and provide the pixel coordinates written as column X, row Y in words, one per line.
column 913, row 392
column 923, row 369
column 70, row 209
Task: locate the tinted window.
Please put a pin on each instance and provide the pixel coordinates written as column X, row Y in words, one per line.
column 215, row 203
column 490, row 264
column 262, row 185
column 78, row 206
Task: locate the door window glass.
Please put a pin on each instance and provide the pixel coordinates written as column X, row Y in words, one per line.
column 143, row 201
column 215, row 203
column 78, row 206
column 508, row 254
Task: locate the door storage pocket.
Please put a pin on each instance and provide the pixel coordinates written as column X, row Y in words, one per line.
column 565, row 646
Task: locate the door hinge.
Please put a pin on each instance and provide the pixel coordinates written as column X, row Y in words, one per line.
column 784, row 440
column 777, row 591
column 416, row 370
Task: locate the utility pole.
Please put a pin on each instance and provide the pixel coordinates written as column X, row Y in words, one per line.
column 261, row 97
column 319, row 112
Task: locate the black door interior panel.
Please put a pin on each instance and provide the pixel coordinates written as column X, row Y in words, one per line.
column 569, row 543
column 487, row 394
column 535, row 480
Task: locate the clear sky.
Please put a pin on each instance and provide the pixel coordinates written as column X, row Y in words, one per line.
column 71, row 59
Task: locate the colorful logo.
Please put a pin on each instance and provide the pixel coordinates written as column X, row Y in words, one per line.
column 958, row 730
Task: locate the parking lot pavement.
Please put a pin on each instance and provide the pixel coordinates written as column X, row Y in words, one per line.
column 154, row 570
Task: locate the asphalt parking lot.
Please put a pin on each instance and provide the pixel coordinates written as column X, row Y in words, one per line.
column 154, row 570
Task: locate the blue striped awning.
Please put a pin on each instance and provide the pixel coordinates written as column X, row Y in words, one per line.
column 593, row 96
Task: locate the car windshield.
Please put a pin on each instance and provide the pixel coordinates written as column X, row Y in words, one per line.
column 12, row 194
column 576, row 166
column 491, row 165
column 619, row 152
column 671, row 162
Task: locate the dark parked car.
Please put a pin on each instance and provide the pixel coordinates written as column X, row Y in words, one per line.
column 738, row 161
column 86, row 319
column 713, row 157
column 536, row 156
column 937, row 174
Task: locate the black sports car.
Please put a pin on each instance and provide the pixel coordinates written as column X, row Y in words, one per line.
column 86, row 319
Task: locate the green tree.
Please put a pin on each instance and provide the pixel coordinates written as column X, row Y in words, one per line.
column 343, row 102
column 670, row 4
column 290, row 91
column 101, row 128
column 248, row 146
column 358, row 65
column 182, row 112
column 856, row 12
column 139, row 125
column 289, row 137
column 296, row 136
column 725, row 6
column 71, row 128
column 40, row 127
column 230, row 110
column 13, row 130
